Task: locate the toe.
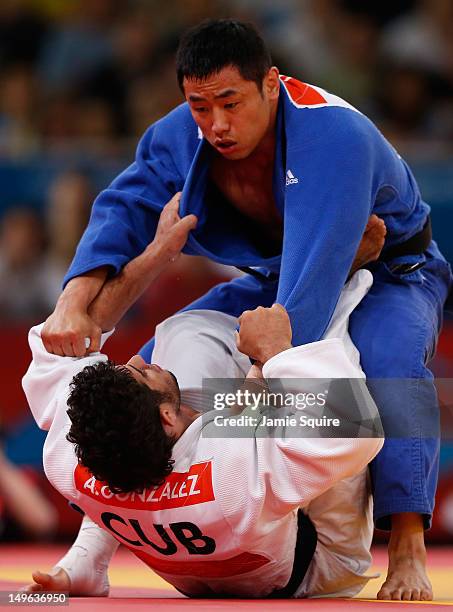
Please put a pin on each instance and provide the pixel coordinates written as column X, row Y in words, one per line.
column 384, row 593
column 396, row 595
column 426, row 595
column 406, row 595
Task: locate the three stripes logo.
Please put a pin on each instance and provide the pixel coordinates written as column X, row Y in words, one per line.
column 290, row 178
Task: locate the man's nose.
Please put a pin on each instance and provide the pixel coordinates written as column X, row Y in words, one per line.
column 137, row 361
column 220, row 123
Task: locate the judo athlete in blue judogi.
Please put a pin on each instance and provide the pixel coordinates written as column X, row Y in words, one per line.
column 297, row 234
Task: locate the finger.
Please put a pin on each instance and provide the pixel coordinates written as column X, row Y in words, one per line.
column 173, row 204
column 67, row 347
column 177, row 236
column 191, row 221
column 379, row 225
column 382, row 226
column 95, row 343
column 373, row 219
column 57, row 349
column 243, row 316
column 185, row 225
column 52, row 344
column 279, row 307
column 237, row 338
column 47, row 344
column 79, row 346
column 42, row 579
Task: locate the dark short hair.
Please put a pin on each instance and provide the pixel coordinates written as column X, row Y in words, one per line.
column 117, row 430
column 217, row 43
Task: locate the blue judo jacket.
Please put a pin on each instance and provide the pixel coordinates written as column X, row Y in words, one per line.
column 333, row 168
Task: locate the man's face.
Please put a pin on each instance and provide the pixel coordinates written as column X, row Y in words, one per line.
column 154, row 377
column 232, row 113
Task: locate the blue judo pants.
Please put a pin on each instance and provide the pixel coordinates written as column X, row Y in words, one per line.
column 395, row 328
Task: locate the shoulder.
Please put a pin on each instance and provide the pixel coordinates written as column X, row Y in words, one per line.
column 322, row 114
column 304, row 95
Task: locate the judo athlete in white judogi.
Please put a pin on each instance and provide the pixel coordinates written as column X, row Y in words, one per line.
column 240, row 498
column 235, row 516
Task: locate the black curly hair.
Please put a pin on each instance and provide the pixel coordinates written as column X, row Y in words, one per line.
column 116, row 428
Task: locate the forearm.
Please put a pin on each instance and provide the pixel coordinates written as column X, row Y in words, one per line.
column 121, row 292
column 87, row 561
column 80, row 292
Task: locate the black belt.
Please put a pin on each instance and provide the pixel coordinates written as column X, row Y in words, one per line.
column 305, row 549
column 416, row 245
column 262, row 276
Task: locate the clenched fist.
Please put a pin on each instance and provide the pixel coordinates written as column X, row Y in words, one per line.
column 264, row 332
column 65, row 331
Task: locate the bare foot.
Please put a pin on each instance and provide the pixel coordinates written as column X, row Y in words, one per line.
column 56, row 581
column 407, row 578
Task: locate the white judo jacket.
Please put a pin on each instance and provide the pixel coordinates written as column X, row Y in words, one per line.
column 225, row 520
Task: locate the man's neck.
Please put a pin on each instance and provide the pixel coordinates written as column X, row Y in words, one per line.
column 185, row 418
column 188, row 415
column 263, row 155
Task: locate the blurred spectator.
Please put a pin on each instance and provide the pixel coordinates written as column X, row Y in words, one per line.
column 354, row 35
column 327, row 43
column 21, row 258
column 18, row 98
column 69, row 203
column 134, row 55
column 24, row 510
column 90, row 74
column 56, row 122
column 423, row 38
column 151, row 97
column 299, row 30
column 413, row 104
column 77, row 45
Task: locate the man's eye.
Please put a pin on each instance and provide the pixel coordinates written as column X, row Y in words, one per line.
column 200, row 109
column 231, row 104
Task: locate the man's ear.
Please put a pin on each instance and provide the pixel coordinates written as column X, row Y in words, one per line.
column 167, row 415
column 272, row 82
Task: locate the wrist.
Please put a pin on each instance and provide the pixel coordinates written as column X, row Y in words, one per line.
column 72, row 302
column 154, row 253
column 81, row 290
column 160, row 255
column 275, row 350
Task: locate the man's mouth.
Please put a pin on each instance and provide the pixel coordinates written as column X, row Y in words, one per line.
column 224, row 145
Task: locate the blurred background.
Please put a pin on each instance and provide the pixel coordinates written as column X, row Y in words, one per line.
column 81, row 80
